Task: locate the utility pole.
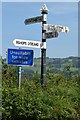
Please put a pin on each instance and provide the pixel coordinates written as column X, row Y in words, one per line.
column 44, row 11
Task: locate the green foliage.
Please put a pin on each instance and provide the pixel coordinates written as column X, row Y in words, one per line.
column 58, row 100
column 54, row 65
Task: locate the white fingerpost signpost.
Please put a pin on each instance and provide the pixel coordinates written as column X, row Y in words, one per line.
column 44, row 11
column 53, row 33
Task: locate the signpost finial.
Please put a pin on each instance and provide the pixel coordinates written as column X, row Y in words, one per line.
column 44, row 9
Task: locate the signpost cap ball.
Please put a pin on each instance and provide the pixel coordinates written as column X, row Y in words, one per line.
column 66, row 29
column 44, row 9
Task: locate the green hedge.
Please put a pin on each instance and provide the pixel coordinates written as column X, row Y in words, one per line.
column 59, row 100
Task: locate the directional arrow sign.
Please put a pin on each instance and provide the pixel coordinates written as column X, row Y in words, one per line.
column 51, row 35
column 33, row 20
column 57, row 28
column 29, row 43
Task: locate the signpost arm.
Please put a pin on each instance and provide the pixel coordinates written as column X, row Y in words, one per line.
column 19, row 76
column 44, row 11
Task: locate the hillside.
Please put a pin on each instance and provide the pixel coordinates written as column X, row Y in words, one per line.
column 55, row 66
column 66, row 66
